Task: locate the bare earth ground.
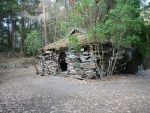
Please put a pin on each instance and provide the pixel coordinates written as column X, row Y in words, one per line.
column 22, row 92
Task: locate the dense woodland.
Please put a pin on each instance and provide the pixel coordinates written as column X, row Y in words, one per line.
column 26, row 25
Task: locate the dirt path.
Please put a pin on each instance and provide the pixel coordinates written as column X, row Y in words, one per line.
column 22, row 92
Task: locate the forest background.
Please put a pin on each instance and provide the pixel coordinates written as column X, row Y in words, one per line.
column 26, row 25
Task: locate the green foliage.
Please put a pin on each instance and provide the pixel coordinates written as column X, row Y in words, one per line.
column 144, row 46
column 77, row 64
column 122, row 24
column 74, row 43
column 62, row 27
column 82, row 13
column 33, row 42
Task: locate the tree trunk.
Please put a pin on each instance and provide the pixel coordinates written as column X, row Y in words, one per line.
column 44, row 21
column 1, row 33
column 22, row 34
column 66, row 9
column 55, row 31
column 2, row 36
column 8, row 32
column 12, row 32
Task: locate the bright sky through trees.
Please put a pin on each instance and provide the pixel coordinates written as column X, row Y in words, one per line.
column 145, row 2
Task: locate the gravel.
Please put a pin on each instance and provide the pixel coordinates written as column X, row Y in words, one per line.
column 23, row 92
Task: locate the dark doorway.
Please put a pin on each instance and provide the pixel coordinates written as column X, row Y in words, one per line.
column 62, row 61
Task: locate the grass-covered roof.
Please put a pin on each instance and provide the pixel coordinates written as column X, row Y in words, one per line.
column 62, row 43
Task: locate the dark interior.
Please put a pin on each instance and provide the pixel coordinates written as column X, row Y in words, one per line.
column 62, row 61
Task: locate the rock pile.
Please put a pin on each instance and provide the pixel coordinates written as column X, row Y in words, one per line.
column 84, row 68
column 79, row 67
